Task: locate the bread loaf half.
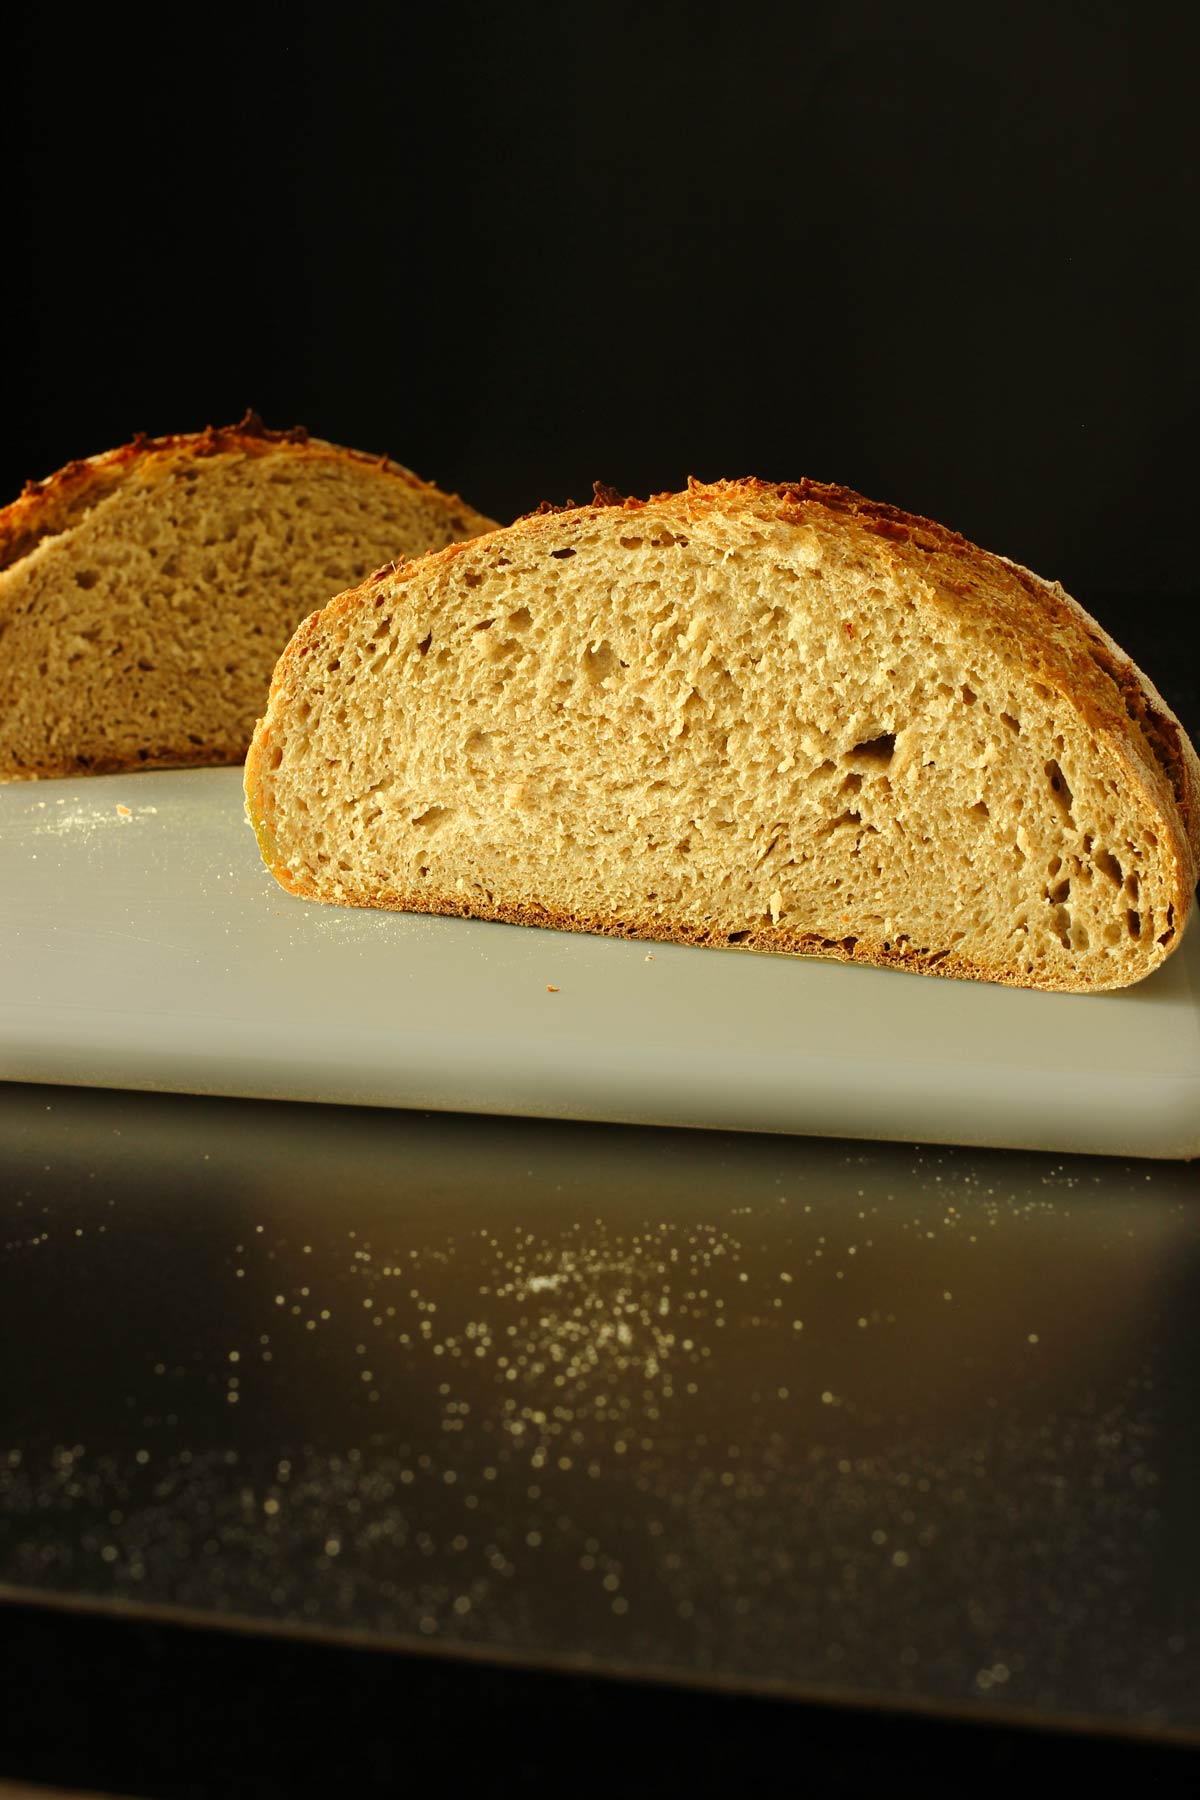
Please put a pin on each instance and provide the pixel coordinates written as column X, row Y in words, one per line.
column 776, row 716
column 146, row 594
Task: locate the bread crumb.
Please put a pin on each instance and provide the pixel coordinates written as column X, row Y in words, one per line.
column 551, row 990
column 124, row 812
column 596, row 824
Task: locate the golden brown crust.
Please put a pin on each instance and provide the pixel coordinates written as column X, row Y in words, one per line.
column 45, row 508
column 1041, row 627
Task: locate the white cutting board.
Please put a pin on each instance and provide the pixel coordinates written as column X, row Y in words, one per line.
column 143, row 945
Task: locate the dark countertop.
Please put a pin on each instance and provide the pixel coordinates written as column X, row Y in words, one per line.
column 834, row 1420
column 479, row 1418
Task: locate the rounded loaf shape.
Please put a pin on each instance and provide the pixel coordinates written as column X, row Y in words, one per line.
column 779, row 716
column 145, row 594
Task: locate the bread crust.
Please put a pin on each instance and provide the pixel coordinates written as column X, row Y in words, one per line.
column 1052, row 637
column 45, row 508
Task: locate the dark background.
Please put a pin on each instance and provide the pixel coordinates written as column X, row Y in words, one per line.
column 946, row 254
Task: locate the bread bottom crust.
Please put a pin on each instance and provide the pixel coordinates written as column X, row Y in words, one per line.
column 195, row 756
column 777, row 940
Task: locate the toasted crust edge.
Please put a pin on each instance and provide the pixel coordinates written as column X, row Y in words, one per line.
column 49, row 506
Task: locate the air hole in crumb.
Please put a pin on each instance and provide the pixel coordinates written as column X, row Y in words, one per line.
column 560, row 555
column 877, row 749
column 521, row 620
column 472, row 578
column 86, row 578
column 979, row 810
column 1058, row 785
column 479, row 743
column 425, row 642
column 1058, row 895
column 600, row 661
column 738, row 937
column 1134, row 922
column 968, row 695
column 484, row 624
column 431, row 818
column 1013, row 724
column 851, row 784
column 1108, row 865
column 848, row 944
column 631, row 543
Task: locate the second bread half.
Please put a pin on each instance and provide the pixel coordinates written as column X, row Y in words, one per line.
column 145, row 594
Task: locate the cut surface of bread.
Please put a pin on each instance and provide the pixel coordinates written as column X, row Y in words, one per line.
column 777, row 716
column 145, row 594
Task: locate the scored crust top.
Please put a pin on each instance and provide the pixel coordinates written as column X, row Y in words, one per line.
column 48, row 507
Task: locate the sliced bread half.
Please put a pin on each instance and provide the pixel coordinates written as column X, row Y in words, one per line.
column 145, row 594
column 777, row 716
